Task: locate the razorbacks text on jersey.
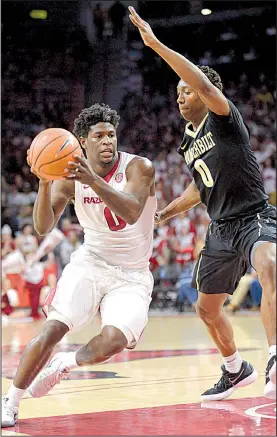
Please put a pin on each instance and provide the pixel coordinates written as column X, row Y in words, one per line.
column 108, row 236
column 223, row 166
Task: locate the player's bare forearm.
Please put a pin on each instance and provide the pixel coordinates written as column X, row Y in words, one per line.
column 185, row 69
column 50, row 203
column 128, row 204
column 43, row 214
column 189, row 199
column 124, row 205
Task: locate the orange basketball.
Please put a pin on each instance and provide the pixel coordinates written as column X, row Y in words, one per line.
column 51, row 150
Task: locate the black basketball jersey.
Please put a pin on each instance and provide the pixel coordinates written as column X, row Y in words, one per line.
column 223, row 166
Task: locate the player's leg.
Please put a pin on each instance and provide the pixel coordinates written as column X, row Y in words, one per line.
column 98, row 350
column 264, row 262
column 236, row 371
column 217, row 274
column 124, row 309
column 70, row 306
column 124, row 315
column 258, row 243
column 101, row 348
column 210, row 310
column 34, row 357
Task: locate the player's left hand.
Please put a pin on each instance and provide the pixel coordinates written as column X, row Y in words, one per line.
column 80, row 171
column 144, row 28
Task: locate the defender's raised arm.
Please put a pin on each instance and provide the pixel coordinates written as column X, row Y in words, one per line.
column 186, row 70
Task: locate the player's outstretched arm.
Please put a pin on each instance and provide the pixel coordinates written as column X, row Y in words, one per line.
column 127, row 204
column 50, row 203
column 189, row 199
column 186, row 70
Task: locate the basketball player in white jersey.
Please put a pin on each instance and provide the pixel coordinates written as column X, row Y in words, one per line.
column 114, row 197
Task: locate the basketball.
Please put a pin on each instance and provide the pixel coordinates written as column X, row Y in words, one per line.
column 50, row 152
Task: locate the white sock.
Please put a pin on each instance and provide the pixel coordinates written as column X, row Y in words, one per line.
column 69, row 360
column 271, row 351
column 14, row 395
column 233, row 362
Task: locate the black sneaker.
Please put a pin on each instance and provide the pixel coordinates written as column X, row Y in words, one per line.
column 229, row 382
column 270, row 379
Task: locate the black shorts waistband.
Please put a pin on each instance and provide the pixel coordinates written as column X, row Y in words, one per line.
column 253, row 211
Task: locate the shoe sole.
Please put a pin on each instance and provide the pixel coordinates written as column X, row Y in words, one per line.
column 218, row 397
column 272, row 374
column 9, row 424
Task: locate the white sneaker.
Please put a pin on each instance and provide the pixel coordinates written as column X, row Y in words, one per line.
column 9, row 414
column 49, row 376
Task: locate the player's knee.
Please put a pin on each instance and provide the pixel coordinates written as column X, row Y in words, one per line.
column 208, row 317
column 267, row 271
column 52, row 332
column 113, row 341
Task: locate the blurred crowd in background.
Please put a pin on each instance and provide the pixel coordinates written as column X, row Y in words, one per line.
column 42, row 80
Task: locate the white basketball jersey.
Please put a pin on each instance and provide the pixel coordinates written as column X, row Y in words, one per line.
column 108, row 236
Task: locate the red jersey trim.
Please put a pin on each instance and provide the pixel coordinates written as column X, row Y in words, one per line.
column 108, row 177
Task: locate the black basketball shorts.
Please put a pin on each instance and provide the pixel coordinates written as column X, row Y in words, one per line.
column 225, row 257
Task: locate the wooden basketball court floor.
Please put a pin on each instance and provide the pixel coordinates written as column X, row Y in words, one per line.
column 152, row 390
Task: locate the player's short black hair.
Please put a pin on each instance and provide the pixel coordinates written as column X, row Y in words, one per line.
column 212, row 75
column 97, row 113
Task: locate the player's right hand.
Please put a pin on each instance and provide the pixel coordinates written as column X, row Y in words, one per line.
column 33, row 170
column 144, row 28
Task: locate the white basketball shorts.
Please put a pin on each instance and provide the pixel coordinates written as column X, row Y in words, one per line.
column 88, row 284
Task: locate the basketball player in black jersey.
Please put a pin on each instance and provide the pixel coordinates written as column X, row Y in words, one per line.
column 226, row 178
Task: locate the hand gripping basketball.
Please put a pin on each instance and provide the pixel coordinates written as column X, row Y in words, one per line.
column 50, row 152
column 80, row 171
column 33, row 170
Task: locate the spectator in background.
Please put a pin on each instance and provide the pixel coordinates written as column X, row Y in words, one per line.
column 6, row 307
column 99, row 21
column 185, row 290
column 68, row 246
column 15, row 199
column 264, row 95
column 9, row 219
column 160, row 258
column 26, row 241
column 67, row 226
column 207, row 58
column 117, row 13
column 241, row 291
column 33, row 276
column 7, row 242
column 25, row 215
column 256, row 294
column 269, row 177
column 29, row 193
